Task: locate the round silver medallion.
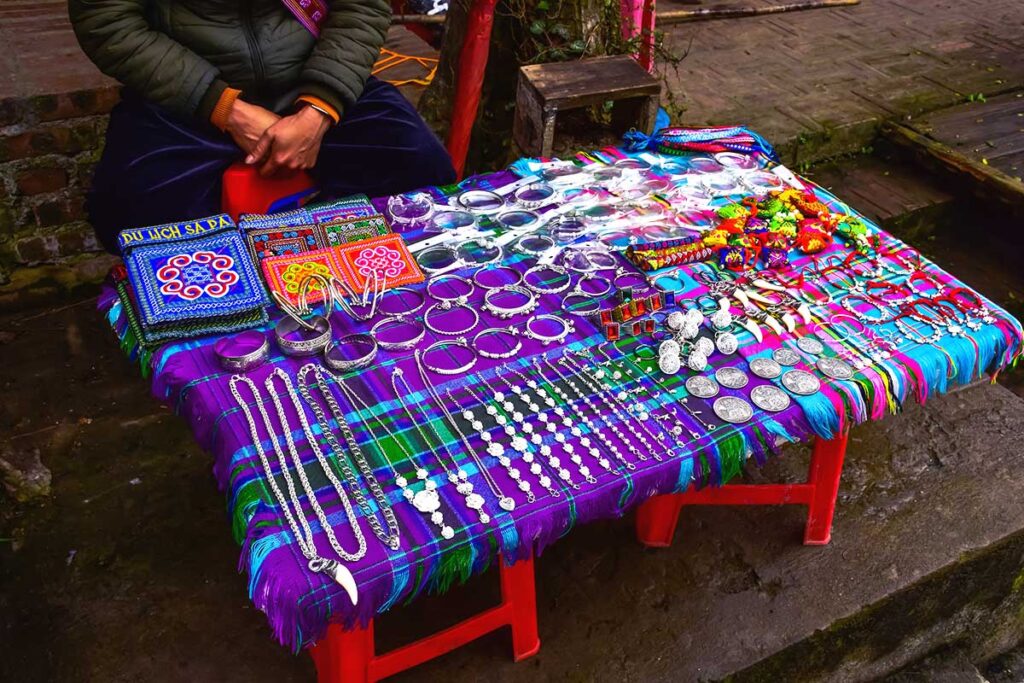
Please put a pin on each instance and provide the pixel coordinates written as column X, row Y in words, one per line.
column 801, row 382
column 733, row 409
column 697, row 361
column 784, row 356
column 705, row 346
column 701, row 386
column 769, row 397
column 733, row 378
column 727, row 343
column 669, row 346
column 765, row 368
column 836, row 368
column 811, row 345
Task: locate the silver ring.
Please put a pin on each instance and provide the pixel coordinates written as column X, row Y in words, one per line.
column 303, row 347
column 346, row 364
column 401, row 345
column 448, row 306
column 245, row 361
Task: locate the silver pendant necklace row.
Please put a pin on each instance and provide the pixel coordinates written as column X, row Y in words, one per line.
column 390, row 538
column 459, row 478
column 559, row 417
column 636, row 412
column 610, row 399
column 534, row 430
column 589, row 422
column 290, row 504
column 506, row 503
column 518, row 443
column 426, row 500
column 670, row 411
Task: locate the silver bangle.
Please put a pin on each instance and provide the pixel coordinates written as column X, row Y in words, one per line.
column 567, row 307
column 498, row 354
column 545, row 339
column 346, row 364
column 461, row 341
column 447, row 306
column 401, row 345
column 516, row 273
column 458, row 298
column 243, row 362
column 578, row 289
column 504, row 312
column 310, row 346
column 541, row 289
column 401, row 290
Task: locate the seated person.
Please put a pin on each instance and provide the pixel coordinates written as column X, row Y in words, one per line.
column 283, row 84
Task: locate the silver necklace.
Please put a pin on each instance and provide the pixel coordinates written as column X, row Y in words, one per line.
column 426, row 500
column 459, row 478
column 389, row 537
column 290, row 504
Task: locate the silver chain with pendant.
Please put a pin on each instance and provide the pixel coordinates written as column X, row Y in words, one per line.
column 426, row 500
column 390, row 537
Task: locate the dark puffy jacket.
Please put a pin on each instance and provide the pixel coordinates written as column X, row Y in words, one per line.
column 182, row 54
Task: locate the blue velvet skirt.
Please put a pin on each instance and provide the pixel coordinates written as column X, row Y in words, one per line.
column 157, row 168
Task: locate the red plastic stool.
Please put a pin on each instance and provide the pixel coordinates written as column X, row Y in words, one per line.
column 349, row 657
column 657, row 517
column 244, row 190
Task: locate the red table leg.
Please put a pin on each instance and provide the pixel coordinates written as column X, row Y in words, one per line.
column 469, row 80
column 657, row 517
column 349, row 657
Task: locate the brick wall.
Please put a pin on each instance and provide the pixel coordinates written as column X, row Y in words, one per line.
column 49, row 145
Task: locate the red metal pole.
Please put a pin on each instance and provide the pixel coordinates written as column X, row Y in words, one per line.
column 826, row 469
column 469, row 80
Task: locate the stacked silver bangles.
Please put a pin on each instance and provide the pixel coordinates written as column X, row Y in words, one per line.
column 505, row 312
column 232, row 360
column 312, row 342
column 335, row 361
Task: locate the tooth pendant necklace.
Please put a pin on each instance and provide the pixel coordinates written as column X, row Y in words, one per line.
column 426, row 500
column 290, row 505
column 553, row 421
column 390, row 537
column 459, row 477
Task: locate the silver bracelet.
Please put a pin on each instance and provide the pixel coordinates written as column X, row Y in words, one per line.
column 243, row 362
column 510, row 331
column 546, row 339
column 336, row 362
column 404, row 345
column 542, row 289
column 578, row 289
column 584, row 298
column 505, row 312
column 458, row 298
column 447, row 306
column 490, row 269
column 311, row 345
column 400, row 291
column 444, row 343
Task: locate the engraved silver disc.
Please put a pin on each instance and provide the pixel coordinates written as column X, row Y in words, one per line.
column 810, row 345
column 836, row 368
column 669, row 363
column 701, row 386
column 785, row 356
column 801, row 382
column 733, row 409
column 727, row 343
column 765, row 368
column 733, row 378
column 769, row 397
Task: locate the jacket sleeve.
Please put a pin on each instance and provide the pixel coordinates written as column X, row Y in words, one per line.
column 349, row 43
column 116, row 36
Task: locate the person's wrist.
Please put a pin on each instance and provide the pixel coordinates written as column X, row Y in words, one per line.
column 313, row 114
column 225, row 112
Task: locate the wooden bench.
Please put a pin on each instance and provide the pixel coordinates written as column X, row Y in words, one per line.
column 546, row 89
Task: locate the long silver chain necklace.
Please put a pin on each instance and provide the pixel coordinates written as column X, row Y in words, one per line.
column 290, row 504
column 506, row 503
column 389, row 537
column 459, row 478
column 426, row 500
column 552, row 423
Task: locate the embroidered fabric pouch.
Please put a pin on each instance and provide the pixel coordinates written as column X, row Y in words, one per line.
column 191, row 271
column 265, row 242
column 386, row 255
column 285, row 274
column 342, row 231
